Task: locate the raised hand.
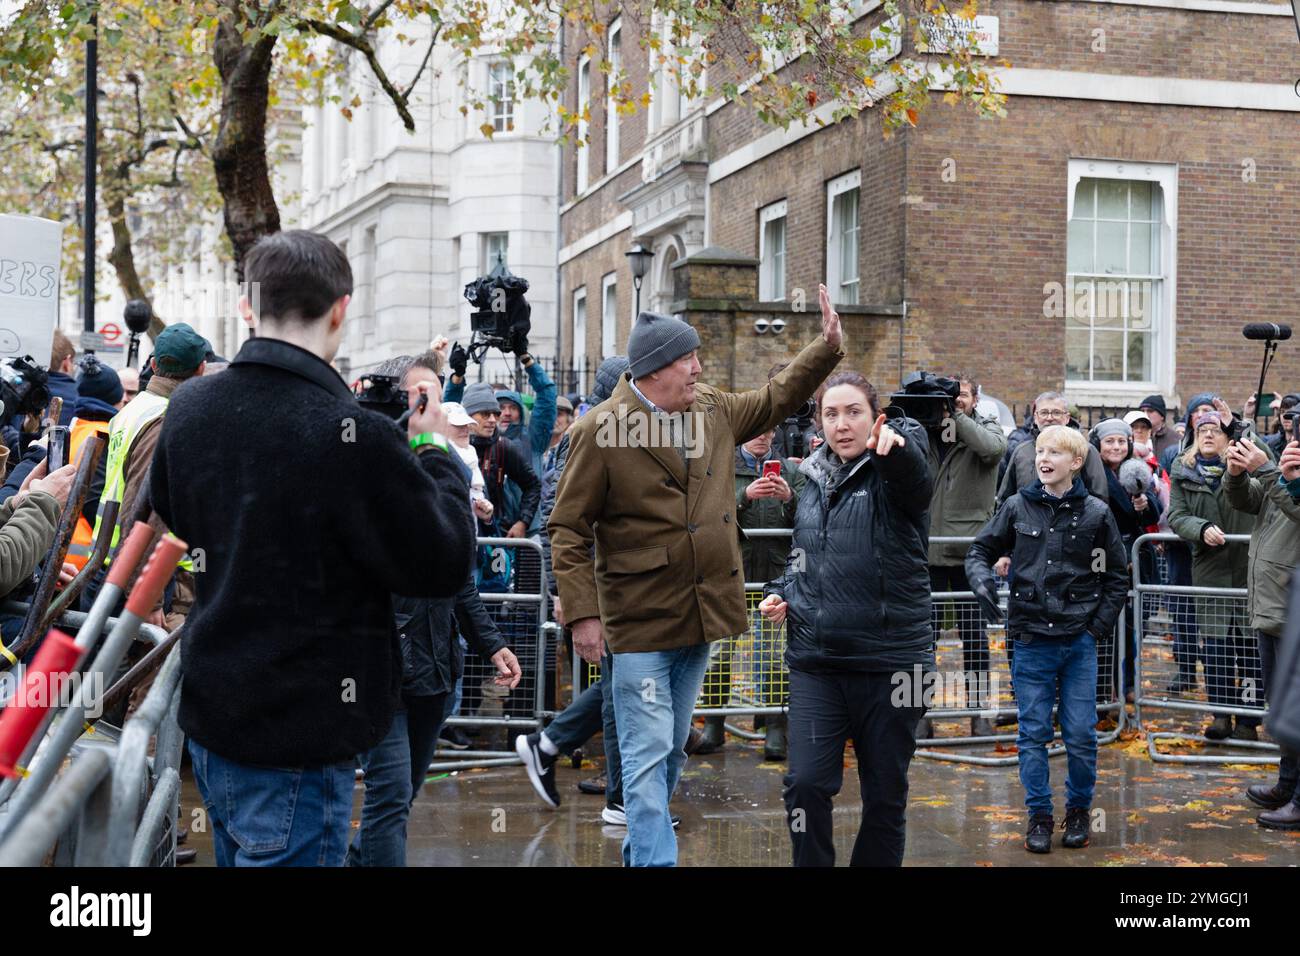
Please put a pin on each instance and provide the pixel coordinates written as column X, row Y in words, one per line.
column 831, row 330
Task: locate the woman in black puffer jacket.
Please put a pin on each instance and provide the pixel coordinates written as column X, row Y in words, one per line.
column 855, row 597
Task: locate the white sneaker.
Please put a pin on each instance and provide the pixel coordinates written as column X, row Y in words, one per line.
column 614, row 815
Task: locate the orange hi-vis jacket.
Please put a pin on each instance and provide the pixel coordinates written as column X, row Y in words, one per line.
column 83, row 539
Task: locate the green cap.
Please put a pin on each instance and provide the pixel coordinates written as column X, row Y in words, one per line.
column 179, row 350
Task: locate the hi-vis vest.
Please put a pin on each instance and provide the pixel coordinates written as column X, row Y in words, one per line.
column 122, row 432
column 83, row 539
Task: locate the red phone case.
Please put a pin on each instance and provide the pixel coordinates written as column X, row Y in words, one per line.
column 771, row 469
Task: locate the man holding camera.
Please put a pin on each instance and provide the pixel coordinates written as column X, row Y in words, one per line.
column 964, row 451
column 649, row 482
column 310, row 512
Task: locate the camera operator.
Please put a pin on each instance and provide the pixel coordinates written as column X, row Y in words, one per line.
column 430, row 631
column 964, row 451
column 534, row 439
column 311, row 512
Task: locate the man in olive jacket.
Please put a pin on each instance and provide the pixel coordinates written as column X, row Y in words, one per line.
column 1257, row 486
column 649, row 483
column 963, row 457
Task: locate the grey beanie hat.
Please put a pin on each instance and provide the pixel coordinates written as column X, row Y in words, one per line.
column 658, row 340
column 607, row 376
column 479, row 397
column 1112, row 426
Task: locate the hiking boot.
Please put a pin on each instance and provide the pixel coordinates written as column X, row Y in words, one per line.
column 715, row 735
column 1220, row 729
column 540, row 766
column 693, row 740
column 453, row 738
column 1078, row 821
column 595, row 786
column 1245, row 732
column 774, row 744
column 1283, row 818
column 1038, row 839
column 1269, row 796
column 982, row 727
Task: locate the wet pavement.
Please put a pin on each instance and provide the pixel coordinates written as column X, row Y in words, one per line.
column 958, row 815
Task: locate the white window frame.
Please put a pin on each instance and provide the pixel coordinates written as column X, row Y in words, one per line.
column 584, row 103
column 771, row 275
column 502, row 109
column 1164, row 325
column 489, row 259
column 579, row 328
column 608, row 316
column 836, row 187
column 614, row 56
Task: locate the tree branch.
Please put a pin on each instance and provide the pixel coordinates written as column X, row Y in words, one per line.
column 362, row 46
column 374, row 17
column 423, row 63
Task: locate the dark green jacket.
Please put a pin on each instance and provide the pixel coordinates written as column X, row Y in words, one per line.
column 26, row 536
column 965, row 483
column 764, row 558
column 1274, row 543
column 1193, row 507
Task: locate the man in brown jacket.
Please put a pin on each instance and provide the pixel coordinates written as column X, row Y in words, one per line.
column 649, row 483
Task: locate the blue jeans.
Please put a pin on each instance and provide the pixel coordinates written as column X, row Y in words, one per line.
column 654, row 694
column 1041, row 667
column 395, row 769
column 275, row 816
column 381, row 838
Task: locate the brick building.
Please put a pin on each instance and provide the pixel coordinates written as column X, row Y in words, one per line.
column 1137, row 206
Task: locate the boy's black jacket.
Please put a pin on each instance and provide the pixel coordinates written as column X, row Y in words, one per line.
column 1054, row 548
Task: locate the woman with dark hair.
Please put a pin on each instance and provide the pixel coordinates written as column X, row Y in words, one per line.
column 855, row 597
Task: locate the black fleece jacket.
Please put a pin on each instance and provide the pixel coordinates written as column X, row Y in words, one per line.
column 311, row 511
column 1068, row 564
column 857, row 581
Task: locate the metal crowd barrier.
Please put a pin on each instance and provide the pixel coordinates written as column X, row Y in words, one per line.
column 746, row 674
column 1179, row 626
column 522, row 616
column 91, row 810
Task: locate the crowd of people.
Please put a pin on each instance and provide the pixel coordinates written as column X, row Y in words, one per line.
column 332, row 594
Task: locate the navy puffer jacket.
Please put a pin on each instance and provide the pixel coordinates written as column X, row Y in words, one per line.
column 857, row 582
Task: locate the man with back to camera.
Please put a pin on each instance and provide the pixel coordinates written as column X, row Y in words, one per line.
column 310, row 511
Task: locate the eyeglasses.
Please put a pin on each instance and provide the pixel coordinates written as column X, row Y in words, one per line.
column 1051, row 414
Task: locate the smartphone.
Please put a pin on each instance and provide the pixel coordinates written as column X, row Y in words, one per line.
column 57, row 456
column 771, row 469
column 1266, row 407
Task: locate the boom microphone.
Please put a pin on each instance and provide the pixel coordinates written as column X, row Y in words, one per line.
column 1266, row 331
column 1135, row 477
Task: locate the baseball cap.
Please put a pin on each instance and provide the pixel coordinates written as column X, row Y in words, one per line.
column 179, row 350
column 1136, row 416
column 456, row 414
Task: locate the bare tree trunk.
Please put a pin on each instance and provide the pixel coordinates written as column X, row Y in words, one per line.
column 123, row 257
column 239, row 154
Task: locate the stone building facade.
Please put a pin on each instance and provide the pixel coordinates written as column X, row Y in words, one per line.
column 1110, row 236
